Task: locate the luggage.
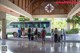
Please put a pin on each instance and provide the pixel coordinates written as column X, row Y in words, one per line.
column 59, row 39
column 32, row 38
column 55, row 38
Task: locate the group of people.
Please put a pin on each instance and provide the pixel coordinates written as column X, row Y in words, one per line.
column 58, row 35
column 32, row 34
column 21, row 32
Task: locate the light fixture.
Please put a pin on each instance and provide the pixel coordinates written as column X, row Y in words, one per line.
column 49, row 8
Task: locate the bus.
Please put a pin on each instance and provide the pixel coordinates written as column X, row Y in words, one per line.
column 14, row 26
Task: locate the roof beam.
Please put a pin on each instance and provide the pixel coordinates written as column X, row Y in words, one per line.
column 30, row 3
column 38, row 5
column 75, row 10
column 13, row 7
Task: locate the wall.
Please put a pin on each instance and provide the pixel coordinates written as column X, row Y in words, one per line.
column 50, row 16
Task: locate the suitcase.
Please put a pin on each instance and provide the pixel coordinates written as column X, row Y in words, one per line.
column 32, row 38
column 59, row 39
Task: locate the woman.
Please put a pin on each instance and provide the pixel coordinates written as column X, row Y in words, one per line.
column 43, row 33
column 29, row 33
column 56, row 35
column 32, row 34
column 52, row 34
column 23, row 32
column 36, row 33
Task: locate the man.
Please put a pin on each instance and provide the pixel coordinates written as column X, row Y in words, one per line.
column 56, row 35
column 43, row 33
column 19, row 33
column 29, row 33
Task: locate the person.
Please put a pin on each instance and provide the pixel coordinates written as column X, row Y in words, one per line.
column 52, row 34
column 32, row 34
column 43, row 33
column 64, row 34
column 23, row 32
column 36, row 33
column 19, row 32
column 29, row 33
column 56, row 35
column 61, row 34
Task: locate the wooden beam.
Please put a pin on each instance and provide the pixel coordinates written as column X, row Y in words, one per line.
column 16, row 2
column 20, row 3
column 11, row 1
column 38, row 6
column 24, row 4
column 29, row 6
column 61, row 6
column 30, row 3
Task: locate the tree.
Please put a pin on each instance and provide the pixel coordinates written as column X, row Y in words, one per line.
column 75, row 20
column 23, row 18
column 45, row 19
column 59, row 24
column 36, row 19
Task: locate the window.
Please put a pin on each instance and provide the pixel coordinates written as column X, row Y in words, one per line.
column 30, row 24
column 37, row 24
column 22, row 24
column 44, row 24
column 15, row 26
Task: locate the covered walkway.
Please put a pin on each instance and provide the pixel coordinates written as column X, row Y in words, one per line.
column 38, row 9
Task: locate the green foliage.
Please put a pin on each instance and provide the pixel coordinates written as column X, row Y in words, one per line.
column 9, row 33
column 36, row 19
column 48, row 34
column 0, row 30
column 59, row 24
column 75, row 20
column 45, row 19
column 72, row 31
column 68, row 20
column 22, row 18
column 27, row 19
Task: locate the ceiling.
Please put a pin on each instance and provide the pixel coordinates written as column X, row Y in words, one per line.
column 36, row 7
column 2, row 8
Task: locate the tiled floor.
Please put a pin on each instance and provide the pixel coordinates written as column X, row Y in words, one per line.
column 74, row 37
column 22, row 45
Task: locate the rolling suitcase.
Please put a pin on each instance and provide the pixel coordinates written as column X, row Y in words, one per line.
column 32, row 38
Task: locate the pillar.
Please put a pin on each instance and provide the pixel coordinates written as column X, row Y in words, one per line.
column 3, row 19
column 4, row 36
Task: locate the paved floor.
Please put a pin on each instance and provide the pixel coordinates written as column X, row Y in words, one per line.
column 71, row 37
column 22, row 45
column 74, row 37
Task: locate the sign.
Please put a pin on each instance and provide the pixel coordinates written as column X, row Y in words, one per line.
column 67, row 2
column 3, row 48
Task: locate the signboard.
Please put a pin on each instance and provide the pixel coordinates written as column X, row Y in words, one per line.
column 67, row 2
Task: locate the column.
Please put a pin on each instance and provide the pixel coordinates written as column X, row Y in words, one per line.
column 3, row 19
column 4, row 36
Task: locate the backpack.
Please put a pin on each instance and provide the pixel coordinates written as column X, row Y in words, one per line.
column 43, row 32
